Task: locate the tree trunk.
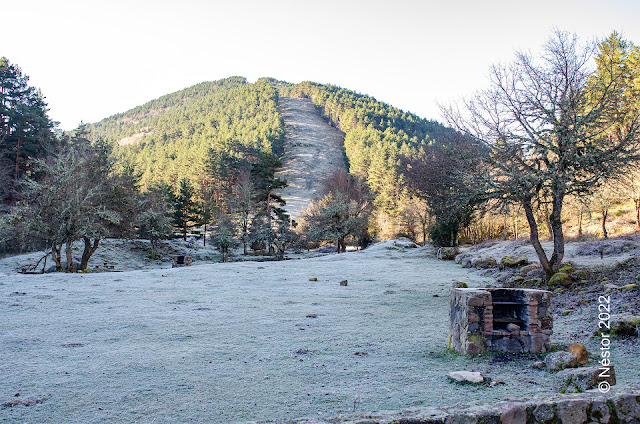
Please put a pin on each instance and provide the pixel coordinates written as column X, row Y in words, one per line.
column 269, row 240
column 154, row 248
column 535, row 239
column 637, row 203
column 44, row 265
column 558, row 234
column 204, row 237
column 580, row 225
column 184, row 232
column 15, row 175
column 605, row 212
column 57, row 256
column 89, row 250
column 69, row 257
column 504, row 228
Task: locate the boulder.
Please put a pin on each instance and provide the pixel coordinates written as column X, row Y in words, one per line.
column 560, row 360
column 448, row 253
column 580, row 274
column 560, row 279
column 513, row 281
column 467, row 377
column 466, row 262
column 625, row 325
column 525, row 270
column 511, row 261
column 578, row 380
column 484, row 262
column 458, row 259
column 533, row 282
column 572, row 411
column 580, row 351
column 514, row 414
column 566, row 268
column 344, row 282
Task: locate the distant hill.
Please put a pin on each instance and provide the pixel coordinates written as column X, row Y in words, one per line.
column 172, row 136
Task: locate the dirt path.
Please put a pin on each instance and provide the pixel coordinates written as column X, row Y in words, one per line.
column 313, row 150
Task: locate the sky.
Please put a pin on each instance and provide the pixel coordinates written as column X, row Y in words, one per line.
column 92, row 59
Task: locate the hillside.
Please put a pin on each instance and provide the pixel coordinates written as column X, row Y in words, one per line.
column 312, row 151
column 179, row 134
column 172, row 137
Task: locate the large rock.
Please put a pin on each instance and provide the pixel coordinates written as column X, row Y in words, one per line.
column 556, row 361
column 560, row 279
column 484, row 262
column 578, row 380
column 516, row 414
column 580, row 351
column 525, row 270
column 458, row 259
column 572, row 411
column 467, row 377
column 625, row 325
column 511, row 261
column 447, row 253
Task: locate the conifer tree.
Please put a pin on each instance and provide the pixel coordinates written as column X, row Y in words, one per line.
column 266, row 185
column 185, row 207
column 26, row 132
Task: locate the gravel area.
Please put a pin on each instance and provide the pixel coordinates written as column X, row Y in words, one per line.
column 237, row 342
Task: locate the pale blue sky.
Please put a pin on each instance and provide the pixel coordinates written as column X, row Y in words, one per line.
column 96, row 58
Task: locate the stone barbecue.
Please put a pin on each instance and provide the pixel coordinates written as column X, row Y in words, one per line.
column 503, row 319
column 181, row 260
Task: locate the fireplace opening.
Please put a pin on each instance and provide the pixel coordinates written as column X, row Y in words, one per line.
column 505, row 313
column 509, row 307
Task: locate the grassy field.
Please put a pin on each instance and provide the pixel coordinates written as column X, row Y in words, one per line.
column 237, row 342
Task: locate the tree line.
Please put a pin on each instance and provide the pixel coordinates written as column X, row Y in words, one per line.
column 557, row 129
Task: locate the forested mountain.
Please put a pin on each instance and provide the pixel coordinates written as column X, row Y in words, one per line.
column 173, row 137
column 177, row 135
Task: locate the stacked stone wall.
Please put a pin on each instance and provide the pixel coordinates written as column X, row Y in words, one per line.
column 566, row 409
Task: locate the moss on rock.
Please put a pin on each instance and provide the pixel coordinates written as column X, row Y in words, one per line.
column 560, row 278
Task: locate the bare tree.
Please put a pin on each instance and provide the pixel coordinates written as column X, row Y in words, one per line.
column 342, row 211
column 553, row 126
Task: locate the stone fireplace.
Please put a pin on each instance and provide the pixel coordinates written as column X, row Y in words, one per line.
column 503, row 319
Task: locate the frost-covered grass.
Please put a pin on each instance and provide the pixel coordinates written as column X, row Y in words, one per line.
column 230, row 343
